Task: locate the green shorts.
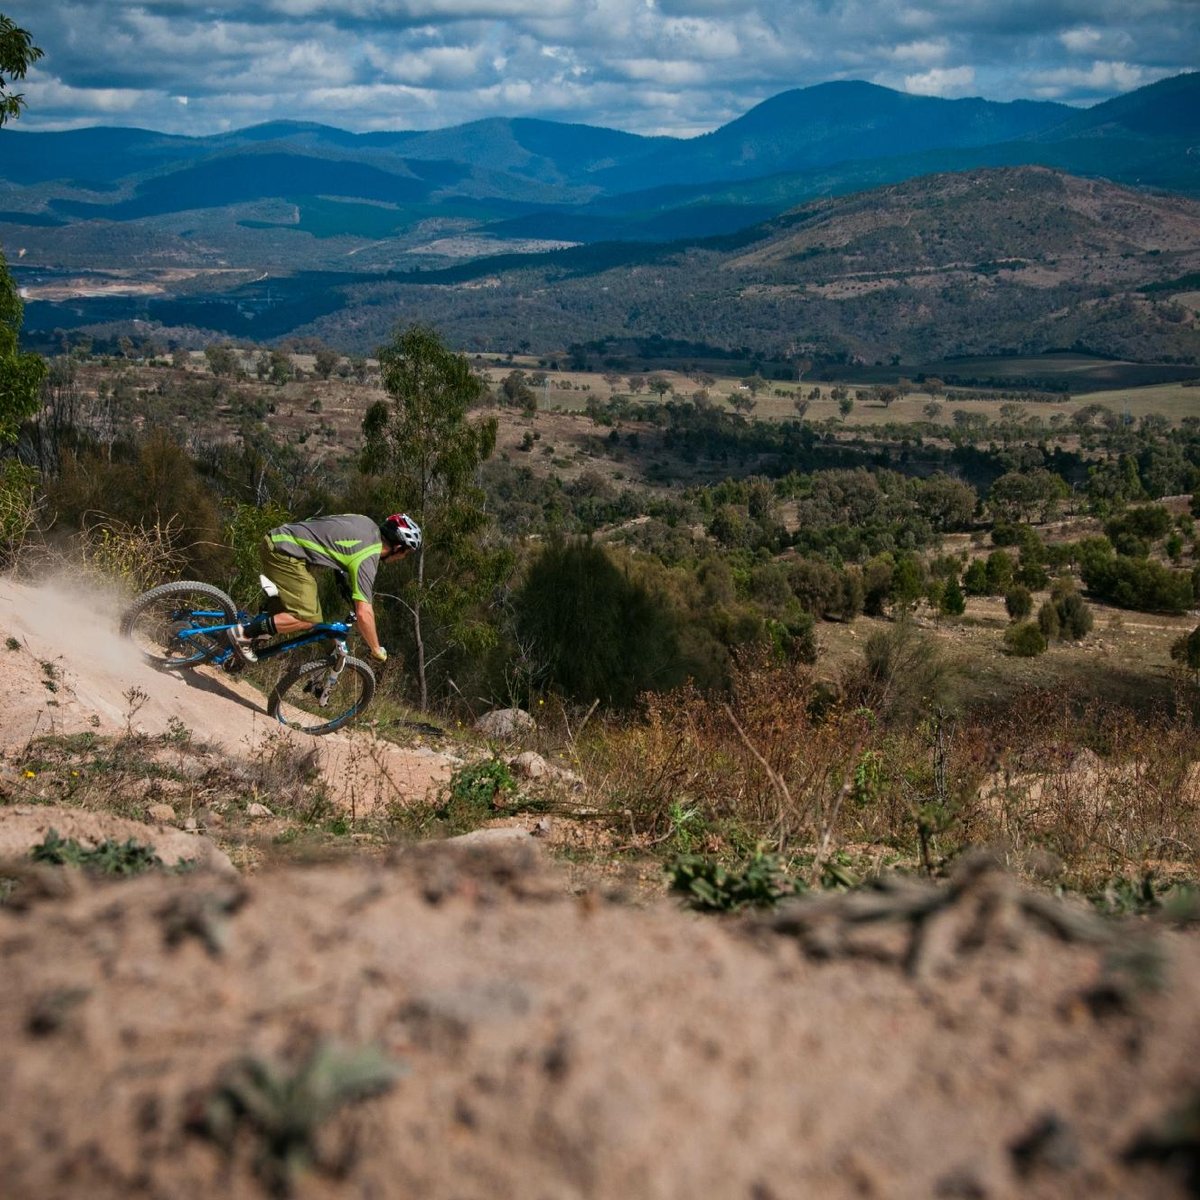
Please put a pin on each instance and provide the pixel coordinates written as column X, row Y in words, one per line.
column 296, row 583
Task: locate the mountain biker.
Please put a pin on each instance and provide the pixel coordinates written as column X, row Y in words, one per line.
column 350, row 544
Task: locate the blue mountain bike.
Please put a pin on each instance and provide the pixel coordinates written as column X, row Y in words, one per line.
column 181, row 625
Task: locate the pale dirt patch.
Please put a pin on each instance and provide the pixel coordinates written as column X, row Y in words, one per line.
column 70, row 673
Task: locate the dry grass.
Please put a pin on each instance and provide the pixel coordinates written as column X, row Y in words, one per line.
column 1073, row 790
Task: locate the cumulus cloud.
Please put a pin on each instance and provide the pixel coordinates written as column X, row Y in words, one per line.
column 941, row 81
column 649, row 66
column 1110, row 78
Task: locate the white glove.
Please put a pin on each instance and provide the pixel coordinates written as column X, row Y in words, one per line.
column 379, row 654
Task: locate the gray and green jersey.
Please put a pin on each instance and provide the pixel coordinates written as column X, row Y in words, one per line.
column 348, row 543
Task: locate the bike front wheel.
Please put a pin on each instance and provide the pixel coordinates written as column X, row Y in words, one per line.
column 179, row 624
column 316, row 698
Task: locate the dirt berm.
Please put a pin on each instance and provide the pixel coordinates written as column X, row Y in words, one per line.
column 453, row 1025
column 66, row 671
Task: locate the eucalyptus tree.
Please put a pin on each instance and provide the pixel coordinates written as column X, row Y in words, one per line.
column 426, row 454
column 21, row 374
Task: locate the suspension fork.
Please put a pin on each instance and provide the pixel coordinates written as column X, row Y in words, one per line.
column 337, row 660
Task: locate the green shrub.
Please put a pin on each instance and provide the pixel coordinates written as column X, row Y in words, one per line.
column 760, row 882
column 1032, row 575
column 1048, row 621
column 1018, row 603
column 478, row 785
column 1138, row 583
column 597, row 631
column 1025, row 640
column 999, row 572
column 1074, row 617
column 975, row 578
column 244, row 533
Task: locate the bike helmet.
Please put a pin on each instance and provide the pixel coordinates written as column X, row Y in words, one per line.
column 401, row 530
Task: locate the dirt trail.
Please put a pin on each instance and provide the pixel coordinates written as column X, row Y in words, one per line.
column 67, row 671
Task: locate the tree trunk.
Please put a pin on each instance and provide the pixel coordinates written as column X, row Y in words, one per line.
column 424, row 689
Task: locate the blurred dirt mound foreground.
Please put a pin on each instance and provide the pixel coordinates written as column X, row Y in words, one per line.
column 453, row 1025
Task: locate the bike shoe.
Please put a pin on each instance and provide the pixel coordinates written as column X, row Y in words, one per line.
column 243, row 646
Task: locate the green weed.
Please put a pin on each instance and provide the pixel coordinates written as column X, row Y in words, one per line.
column 761, row 882
column 108, row 858
column 282, row 1106
column 479, row 784
column 473, row 792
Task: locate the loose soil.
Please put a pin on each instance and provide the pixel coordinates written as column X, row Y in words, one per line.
column 537, row 1044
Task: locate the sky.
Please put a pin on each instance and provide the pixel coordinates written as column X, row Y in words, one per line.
column 679, row 67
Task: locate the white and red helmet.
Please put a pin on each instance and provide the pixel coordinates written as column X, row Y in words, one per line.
column 401, row 530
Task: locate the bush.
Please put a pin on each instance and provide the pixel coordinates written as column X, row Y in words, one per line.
column 975, row 578
column 1137, row 583
column 1186, row 650
column 599, row 633
column 1019, row 603
column 1074, row 617
column 816, row 584
column 135, row 556
column 1025, row 640
column 1032, row 575
column 952, row 603
column 1148, row 522
column 244, row 532
column 999, row 572
column 1048, row 621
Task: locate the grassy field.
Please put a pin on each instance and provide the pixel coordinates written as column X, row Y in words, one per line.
column 571, row 391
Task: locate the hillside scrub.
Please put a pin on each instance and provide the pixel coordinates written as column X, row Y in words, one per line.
column 1079, row 794
column 744, row 532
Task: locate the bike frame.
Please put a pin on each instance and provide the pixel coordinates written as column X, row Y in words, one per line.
column 326, row 631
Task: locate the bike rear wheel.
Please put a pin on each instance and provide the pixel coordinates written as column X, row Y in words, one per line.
column 168, row 624
column 311, row 699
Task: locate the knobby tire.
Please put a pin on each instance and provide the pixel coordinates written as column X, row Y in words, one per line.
column 152, row 620
column 293, row 706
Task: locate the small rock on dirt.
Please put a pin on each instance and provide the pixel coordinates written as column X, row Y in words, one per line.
column 530, row 765
column 161, row 813
column 501, row 833
column 504, row 723
column 258, row 810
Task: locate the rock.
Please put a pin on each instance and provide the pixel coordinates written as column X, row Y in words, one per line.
column 258, row 810
column 529, row 765
column 542, row 828
column 191, row 824
column 504, row 723
column 162, row 813
column 500, row 834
